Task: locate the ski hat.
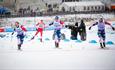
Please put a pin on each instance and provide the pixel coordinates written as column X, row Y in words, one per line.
column 41, row 20
column 17, row 22
column 56, row 17
column 101, row 19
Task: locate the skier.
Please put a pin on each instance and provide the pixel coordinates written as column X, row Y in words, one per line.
column 58, row 24
column 20, row 29
column 39, row 27
column 101, row 31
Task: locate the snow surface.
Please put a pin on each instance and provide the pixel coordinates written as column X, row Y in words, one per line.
column 72, row 55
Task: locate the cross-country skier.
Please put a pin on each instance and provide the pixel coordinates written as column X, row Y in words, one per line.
column 20, row 29
column 101, row 31
column 58, row 24
column 40, row 27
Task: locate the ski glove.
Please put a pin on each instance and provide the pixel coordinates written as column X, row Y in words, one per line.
column 113, row 28
column 12, row 33
column 89, row 28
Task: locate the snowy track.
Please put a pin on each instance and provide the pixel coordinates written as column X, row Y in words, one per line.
column 72, row 55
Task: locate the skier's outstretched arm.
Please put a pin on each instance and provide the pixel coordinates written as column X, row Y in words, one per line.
column 51, row 24
column 93, row 25
column 13, row 31
column 62, row 23
column 23, row 28
column 107, row 23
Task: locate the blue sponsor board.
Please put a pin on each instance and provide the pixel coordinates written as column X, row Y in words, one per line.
column 8, row 29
